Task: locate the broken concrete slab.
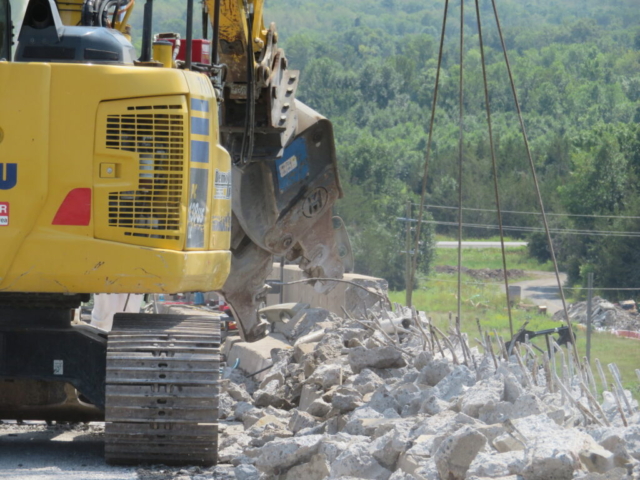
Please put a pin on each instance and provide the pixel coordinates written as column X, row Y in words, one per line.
column 497, row 465
column 346, row 399
column 282, row 454
column 383, row 357
column 483, row 392
column 301, row 420
column 317, row 468
column 434, row 371
column 356, row 461
column 366, row 381
column 256, row 356
column 326, row 376
column 456, row 453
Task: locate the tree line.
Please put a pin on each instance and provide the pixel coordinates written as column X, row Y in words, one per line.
column 370, row 66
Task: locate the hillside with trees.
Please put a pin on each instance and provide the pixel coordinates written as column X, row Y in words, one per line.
column 370, row 65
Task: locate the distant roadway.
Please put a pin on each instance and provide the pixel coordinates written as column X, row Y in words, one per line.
column 480, row 244
column 543, row 290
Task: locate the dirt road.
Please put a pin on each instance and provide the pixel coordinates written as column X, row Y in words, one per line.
column 543, row 290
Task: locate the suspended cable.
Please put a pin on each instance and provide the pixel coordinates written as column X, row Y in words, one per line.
column 414, row 261
column 494, row 165
column 566, row 231
column 500, row 284
column 429, row 206
column 460, row 155
column 535, row 181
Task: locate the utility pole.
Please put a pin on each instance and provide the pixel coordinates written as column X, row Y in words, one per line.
column 589, row 313
column 408, row 264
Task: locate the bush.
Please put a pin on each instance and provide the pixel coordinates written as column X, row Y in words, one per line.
column 538, row 247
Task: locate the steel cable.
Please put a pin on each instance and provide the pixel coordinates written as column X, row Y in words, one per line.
column 531, row 213
column 460, row 155
column 535, row 181
column 414, row 262
column 495, row 167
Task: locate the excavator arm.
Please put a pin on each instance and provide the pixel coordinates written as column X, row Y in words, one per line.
column 285, row 175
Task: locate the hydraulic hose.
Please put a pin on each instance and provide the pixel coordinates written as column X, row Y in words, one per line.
column 103, row 11
column 88, row 13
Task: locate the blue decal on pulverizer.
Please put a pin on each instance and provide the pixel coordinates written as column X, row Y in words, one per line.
column 294, row 165
column 199, row 105
column 199, row 151
column 199, row 126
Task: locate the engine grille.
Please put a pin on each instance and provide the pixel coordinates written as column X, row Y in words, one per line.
column 157, row 134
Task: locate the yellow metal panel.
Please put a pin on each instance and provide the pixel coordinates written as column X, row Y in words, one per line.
column 52, row 261
column 108, row 170
column 49, row 124
column 71, row 11
column 24, row 119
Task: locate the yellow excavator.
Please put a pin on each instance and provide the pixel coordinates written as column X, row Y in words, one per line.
column 183, row 169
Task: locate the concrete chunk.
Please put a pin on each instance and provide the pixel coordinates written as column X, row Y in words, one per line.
column 434, row 371
column 318, row 468
column 383, row 357
column 326, row 376
column 285, row 453
column 346, row 400
column 301, row 420
column 357, row 462
column 495, row 466
column 366, row 381
column 481, row 393
column 457, row 452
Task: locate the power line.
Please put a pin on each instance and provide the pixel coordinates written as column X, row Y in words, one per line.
column 565, row 231
column 611, row 289
column 442, row 207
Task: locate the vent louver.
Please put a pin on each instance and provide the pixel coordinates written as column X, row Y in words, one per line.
column 157, row 134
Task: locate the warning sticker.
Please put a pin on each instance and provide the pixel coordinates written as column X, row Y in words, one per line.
column 288, row 166
column 222, row 186
column 4, row 214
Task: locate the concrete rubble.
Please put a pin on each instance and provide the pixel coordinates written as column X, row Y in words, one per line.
column 605, row 315
column 362, row 403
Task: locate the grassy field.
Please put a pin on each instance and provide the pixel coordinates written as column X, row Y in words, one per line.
column 491, row 258
column 494, row 238
column 487, row 302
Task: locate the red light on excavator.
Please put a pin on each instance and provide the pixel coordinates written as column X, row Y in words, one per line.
column 75, row 209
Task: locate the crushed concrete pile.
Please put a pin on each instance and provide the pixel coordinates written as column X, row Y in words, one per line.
column 605, row 315
column 482, row 273
column 393, row 398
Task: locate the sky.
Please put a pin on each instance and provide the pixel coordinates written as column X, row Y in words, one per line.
column 17, row 12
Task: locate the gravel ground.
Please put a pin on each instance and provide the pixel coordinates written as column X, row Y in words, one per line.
column 35, row 451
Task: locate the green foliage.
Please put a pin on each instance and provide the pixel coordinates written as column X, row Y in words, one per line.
column 478, row 258
column 538, row 247
column 370, row 66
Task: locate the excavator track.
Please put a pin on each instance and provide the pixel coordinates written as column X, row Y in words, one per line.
column 162, row 390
